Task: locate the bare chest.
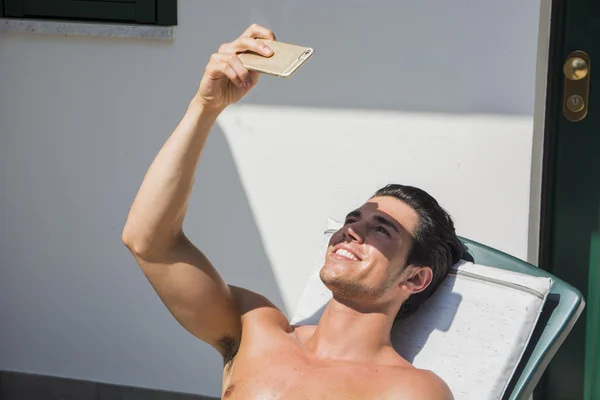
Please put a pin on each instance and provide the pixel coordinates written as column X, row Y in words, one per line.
column 283, row 371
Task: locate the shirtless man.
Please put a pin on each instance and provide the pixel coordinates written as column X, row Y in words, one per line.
column 389, row 257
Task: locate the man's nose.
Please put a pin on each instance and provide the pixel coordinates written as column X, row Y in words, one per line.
column 353, row 232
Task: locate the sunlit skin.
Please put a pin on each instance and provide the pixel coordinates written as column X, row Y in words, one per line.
column 348, row 355
column 379, row 234
column 369, row 287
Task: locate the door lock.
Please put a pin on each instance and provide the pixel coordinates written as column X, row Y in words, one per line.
column 575, row 68
column 577, row 86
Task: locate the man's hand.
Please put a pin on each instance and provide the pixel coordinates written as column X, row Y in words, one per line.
column 226, row 80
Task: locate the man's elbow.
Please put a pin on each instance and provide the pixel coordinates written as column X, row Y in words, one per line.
column 138, row 242
column 147, row 246
column 134, row 242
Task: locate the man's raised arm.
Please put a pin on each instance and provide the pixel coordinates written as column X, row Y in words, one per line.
column 185, row 280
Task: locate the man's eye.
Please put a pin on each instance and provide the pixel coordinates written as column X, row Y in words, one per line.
column 350, row 221
column 382, row 230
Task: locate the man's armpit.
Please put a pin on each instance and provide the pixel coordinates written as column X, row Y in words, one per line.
column 228, row 346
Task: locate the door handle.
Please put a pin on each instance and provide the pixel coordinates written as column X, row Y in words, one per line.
column 576, row 72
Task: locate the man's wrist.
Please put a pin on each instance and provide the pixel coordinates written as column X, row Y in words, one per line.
column 202, row 111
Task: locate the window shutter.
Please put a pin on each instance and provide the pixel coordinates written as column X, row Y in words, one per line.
column 139, row 11
column 145, row 11
column 13, row 8
column 166, row 12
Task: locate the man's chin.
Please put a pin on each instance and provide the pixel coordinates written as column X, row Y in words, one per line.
column 342, row 287
column 332, row 272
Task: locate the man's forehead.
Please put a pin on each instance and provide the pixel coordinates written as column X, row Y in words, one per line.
column 392, row 208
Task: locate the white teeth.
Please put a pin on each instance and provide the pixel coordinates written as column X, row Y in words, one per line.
column 346, row 253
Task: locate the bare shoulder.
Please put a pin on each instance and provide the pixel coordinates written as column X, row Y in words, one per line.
column 260, row 321
column 422, row 385
column 256, row 310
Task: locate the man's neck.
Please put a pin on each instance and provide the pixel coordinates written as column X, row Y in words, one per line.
column 346, row 333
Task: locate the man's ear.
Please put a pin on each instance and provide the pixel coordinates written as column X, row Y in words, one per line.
column 418, row 280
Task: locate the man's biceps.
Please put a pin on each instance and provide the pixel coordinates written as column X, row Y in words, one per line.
column 210, row 322
column 257, row 310
column 247, row 300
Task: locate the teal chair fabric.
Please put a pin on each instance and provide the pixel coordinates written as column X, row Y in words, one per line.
column 562, row 309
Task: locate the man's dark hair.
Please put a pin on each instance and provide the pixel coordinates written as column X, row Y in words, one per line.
column 435, row 243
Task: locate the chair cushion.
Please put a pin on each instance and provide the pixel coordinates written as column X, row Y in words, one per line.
column 472, row 332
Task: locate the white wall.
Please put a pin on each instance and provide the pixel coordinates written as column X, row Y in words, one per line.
column 435, row 94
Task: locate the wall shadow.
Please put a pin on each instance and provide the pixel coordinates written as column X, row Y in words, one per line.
column 445, row 57
column 220, row 218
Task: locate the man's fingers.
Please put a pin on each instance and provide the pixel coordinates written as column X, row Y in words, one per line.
column 217, row 68
column 254, row 77
column 230, row 73
column 256, row 31
column 234, row 62
column 245, row 43
column 226, row 62
column 248, row 42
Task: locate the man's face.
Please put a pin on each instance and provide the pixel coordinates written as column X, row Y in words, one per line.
column 366, row 259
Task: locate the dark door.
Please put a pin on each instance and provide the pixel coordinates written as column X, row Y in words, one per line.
column 571, row 195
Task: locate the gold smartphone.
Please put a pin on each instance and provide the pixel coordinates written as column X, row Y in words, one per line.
column 285, row 61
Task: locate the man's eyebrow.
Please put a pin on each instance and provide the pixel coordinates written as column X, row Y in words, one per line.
column 386, row 222
column 353, row 214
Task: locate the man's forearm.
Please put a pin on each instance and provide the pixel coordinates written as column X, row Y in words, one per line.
column 156, row 216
